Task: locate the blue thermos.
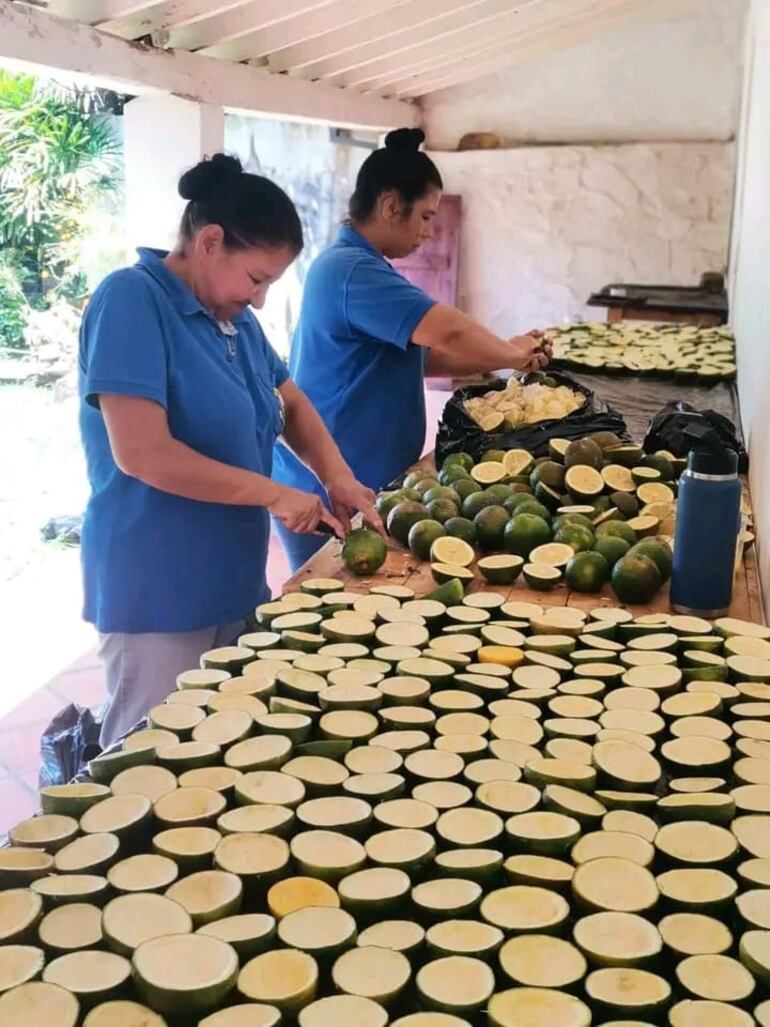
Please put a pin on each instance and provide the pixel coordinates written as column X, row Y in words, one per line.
column 708, row 520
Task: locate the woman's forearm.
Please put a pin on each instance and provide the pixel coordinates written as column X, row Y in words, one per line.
column 462, row 346
column 441, row 365
column 309, row 437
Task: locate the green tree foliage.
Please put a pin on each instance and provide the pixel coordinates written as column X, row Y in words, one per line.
column 59, row 159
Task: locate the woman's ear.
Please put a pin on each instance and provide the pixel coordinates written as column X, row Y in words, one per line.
column 209, row 240
column 390, row 207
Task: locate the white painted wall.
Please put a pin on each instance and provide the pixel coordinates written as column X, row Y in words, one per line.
column 163, row 136
column 750, row 271
column 543, row 227
column 668, row 71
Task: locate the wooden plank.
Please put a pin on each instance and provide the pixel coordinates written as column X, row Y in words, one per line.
column 35, row 38
column 372, row 38
column 402, row 568
column 319, row 32
column 434, row 266
column 538, row 42
column 429, row 25
column 248, row 19
column 93, row 12
column 132, row 19
column 756, row 606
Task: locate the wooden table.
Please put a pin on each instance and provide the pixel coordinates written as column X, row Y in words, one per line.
column 401, row 568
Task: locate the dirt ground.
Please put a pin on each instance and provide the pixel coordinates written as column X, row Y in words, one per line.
column 42, row 473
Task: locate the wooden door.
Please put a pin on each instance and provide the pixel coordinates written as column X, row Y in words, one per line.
column 434, row 266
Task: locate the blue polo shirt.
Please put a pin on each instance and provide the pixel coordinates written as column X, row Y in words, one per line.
column 155, row 562
column 352, row 355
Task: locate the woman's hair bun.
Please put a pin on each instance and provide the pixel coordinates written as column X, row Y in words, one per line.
column 404, row 139
column 208, row 176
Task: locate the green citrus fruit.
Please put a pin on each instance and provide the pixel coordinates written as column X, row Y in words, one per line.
column 442, row 509
column 525, row 532
column 490, row 526
column 587, row 572
column 461, row 527
column 421, row 537
column 532, row 506
column 460, row 459
column 611, row 547
column 402, row 517
column 618, row 528
column 474, row 504
column 465, row 487
column 575, row 535
column 659, row 551
column 635, row 578
column 363, row 551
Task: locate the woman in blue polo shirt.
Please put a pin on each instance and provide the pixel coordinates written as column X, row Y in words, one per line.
column 182, row 400
column 367, row 337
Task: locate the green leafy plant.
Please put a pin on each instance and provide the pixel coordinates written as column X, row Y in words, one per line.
column 13, row 302
column 59, row 157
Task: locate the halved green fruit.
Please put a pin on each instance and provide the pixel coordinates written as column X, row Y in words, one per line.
column 500, row 570
column 20, row 866
column 121, row 1013
column 192, row 972
column 541, row 577
column 537, row 1007
column 131, row 920
column 369, row 972
column 50, row 832
column 39, row 1004
column 617, row 939
column 615, row 885
column 71, row 800
column 208, row 895
column 92, row 976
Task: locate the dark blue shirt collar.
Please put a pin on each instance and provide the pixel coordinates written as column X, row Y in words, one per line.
column 152, row 261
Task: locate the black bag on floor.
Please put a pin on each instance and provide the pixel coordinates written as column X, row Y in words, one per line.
column 459, row 433
column 666, row 430
column 67, row 744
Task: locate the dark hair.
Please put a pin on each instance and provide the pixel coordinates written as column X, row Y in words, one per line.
column 252, row 210
column 400, row 166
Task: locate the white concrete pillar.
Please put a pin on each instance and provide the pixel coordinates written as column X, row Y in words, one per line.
column 163, row 136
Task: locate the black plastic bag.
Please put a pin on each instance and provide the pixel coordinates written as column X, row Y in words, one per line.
column 459, row 433
column 67, row 744
column 666, row 430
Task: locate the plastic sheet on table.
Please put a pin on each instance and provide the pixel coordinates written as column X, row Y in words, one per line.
column 639, row 399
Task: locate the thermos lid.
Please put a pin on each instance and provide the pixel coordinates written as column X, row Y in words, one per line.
column 709, row 455
column 705, row 460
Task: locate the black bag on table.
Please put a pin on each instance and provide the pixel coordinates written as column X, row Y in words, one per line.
column 667, row 430
column 459, row 433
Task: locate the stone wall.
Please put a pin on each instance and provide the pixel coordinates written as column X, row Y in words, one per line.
column 543, row 227
column 652, row 71
column 319, row 175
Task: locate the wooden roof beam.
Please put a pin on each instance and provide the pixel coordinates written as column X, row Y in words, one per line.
column 324, row 24
column 255, row 18
column 380, row 27
column 500, row 55
column 431, row 29
column 31, row 37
